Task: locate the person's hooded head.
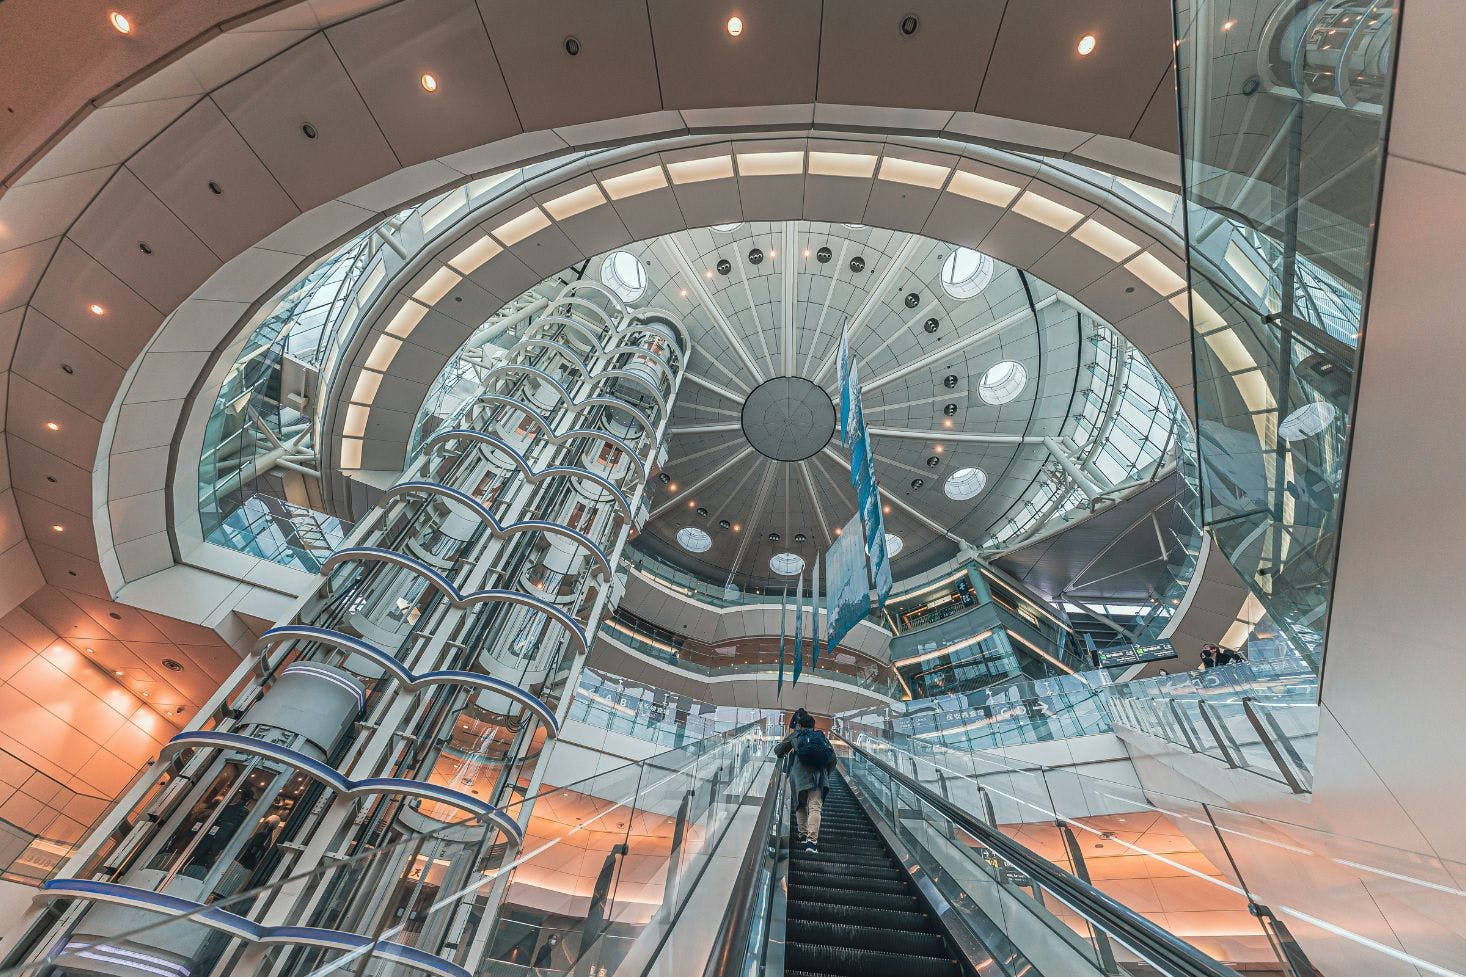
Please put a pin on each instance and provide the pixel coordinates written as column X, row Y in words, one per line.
column 801, row 719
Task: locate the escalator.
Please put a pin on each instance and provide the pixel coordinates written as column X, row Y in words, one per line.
column 852, row 910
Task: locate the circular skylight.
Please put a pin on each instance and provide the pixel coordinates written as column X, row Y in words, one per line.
column 893, row 545
column 966, row 272
column 624, row 275
column 1306, row 421
column 694, row 540
column 787, row 564
column 965, row 483
column 1002, row 382
column 727, row 228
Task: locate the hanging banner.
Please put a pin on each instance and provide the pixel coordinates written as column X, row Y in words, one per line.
column 798, row 628
column 843, row 384
column 847, row 588
column 783, row 617
column 814, row 610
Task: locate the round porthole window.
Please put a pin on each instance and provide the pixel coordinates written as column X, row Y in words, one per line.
column 694, row 540
column 965, row 484
column 1306, row 421
column 893, row 545
column 624, row 275
column 966, row 272
column 727, row 228
column 787, row 564
column 1002, row 382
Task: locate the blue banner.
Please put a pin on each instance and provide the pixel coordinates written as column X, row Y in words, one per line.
column 844, row 383
column 798, row 628
column 814, row 610
column 847, row 588
column 783, row 618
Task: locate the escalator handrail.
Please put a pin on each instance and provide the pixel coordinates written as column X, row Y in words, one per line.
column 729, row 954
column 1161, row 949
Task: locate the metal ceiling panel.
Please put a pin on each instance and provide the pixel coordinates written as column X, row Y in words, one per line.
column 772, row 62
column 54, row 359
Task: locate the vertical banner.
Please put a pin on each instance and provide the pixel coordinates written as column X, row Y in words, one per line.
column 783, row 619
column 798, row 628
column 847, row 588
column 843, row 384
column 814, row 610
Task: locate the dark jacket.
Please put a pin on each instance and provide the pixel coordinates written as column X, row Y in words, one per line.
column 801, row 778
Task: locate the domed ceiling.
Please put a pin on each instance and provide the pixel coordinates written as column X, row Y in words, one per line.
column 965, row 364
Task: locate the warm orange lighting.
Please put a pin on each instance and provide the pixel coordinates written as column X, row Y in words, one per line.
column 806, row 252
column 773, row 253
column 709, row 273
column 429, row 82
column 691, row 503
column 117, row 672
column 90, row 652
column 684, row 293
column 937, row 448
column 886, row 509
column 737, row 528
column 52, row 426
column 735, row 26
column 1229, row 25
column 672, row 487
column 839, row 530
column 96, row 309
column 1086, row 44
column 947, row 422
column 120, row 23
column 58, row 528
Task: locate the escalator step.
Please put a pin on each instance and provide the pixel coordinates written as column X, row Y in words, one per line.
column 843, row 858
column 848, row 962
column 893, row 887
column 866, row 937
column 837, row 870
column 830, row 912
column 822, row 895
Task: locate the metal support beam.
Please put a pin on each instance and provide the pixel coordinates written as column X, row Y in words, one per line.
column 679, row 260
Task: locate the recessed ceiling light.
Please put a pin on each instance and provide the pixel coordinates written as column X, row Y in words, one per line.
column 52, row 426
column 429, row 82
column 120, row 23
column 58, row 528
column 672, row 487
column 117, row 672
column 735, row 26
column 1228, row 25
column 96, row 309
column 1086, row 44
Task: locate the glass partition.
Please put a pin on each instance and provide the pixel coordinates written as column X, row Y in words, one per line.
column 1283, row 108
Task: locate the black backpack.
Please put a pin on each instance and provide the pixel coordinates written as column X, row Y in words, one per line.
column 813, row 750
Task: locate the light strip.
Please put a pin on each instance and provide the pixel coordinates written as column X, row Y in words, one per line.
column 383, row 353
column 516, row 229
column 894, row 169
column 406, row 319
column 1048, row 212
column 356, row 420
column 1099, row 238
column 438, row 285
column 575, row 202
column 1206, row 318
column 350, row 452
column 366, row 387
column 701, row 170
column 631, row 184
column 1155, row 273
column 982, row 189
column 841, row 164
column 471, row 258
column 770, row 164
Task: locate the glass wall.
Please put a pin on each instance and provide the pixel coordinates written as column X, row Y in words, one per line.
column 1283, row 108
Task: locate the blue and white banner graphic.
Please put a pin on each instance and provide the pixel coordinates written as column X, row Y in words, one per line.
column 798, row 628
column 847, row 587
column 783, row 619
column 814, row 610
column 844, row 383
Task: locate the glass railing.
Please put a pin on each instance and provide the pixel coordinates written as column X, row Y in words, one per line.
column 1261, row 717
column 871, row 680
column 630, row 708
column 1257, row 891
column 280, row 532
column 605, row 867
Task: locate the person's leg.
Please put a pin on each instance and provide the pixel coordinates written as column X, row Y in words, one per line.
column 801, row 813
column 814, row 806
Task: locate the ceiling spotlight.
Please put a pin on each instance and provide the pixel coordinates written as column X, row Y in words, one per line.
column 912, row 300
column 909, row 23
column 917, row 483
column 117, row 671
column 725, row 266
column 724, row 524
column 937, row 448
column 1086, row 44
column 949, row 381
column 946, row 422
column 800, row 538
column 735, row 26
column 931, row 325
column 774, row 537
column 684, row 293
column 58, row 528
column 52, row 426
column 756, row 256
column 429, row 82
column 172, row 665
column 806, row 252
column 1228, row 25
column 664, row 477
column 950, row 410
column 857, row 264
column 96, row 309
column 823, row 255
column 120, row 23
column 886, row 509
column 702, row 510
column 672, row 487
column 572, row 46
column 933, row 461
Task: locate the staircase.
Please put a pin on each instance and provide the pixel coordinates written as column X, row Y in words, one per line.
column 852, row 909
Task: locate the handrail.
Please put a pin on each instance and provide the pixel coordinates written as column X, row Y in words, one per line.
column 1170, row 955
column 729, row 956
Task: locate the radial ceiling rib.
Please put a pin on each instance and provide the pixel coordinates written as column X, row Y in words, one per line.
column 964, row 436
column 771, row 474
column 814, row 497
column 819, row 329
column 690, row 489
column 886, row 279
column 790, row 297
column 905, row 507
column 721, row 446
column 699, row 380
column 920, row 316
column 705, row 428
column 678, row 259
column 946, row 352
column 758, row 323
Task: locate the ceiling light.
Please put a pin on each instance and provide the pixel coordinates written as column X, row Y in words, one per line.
column 1097, row 237
column 630, row 184
column 516, row 229
column 982, row 189
column 1155, row 273
column 407, row 318
column 52, row 426
column 439, row 284
column 684, row 293
column 1086, row 44
column 96, row 309
column 672, row 487
column 771, row 164
column 912, row 172
column 350, row 452
column 120, row 23
column 429, row 82
column 58, row 528
column 806, row 252
column 841, row 164
column 700, row 170
column 117, row 671
column 471, row 258
column 575, row 202
column 1228, row 25
column 735, row 26
column 1048, row 212
column 947, row 422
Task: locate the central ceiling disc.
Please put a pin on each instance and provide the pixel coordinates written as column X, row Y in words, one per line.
column 788, row 418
